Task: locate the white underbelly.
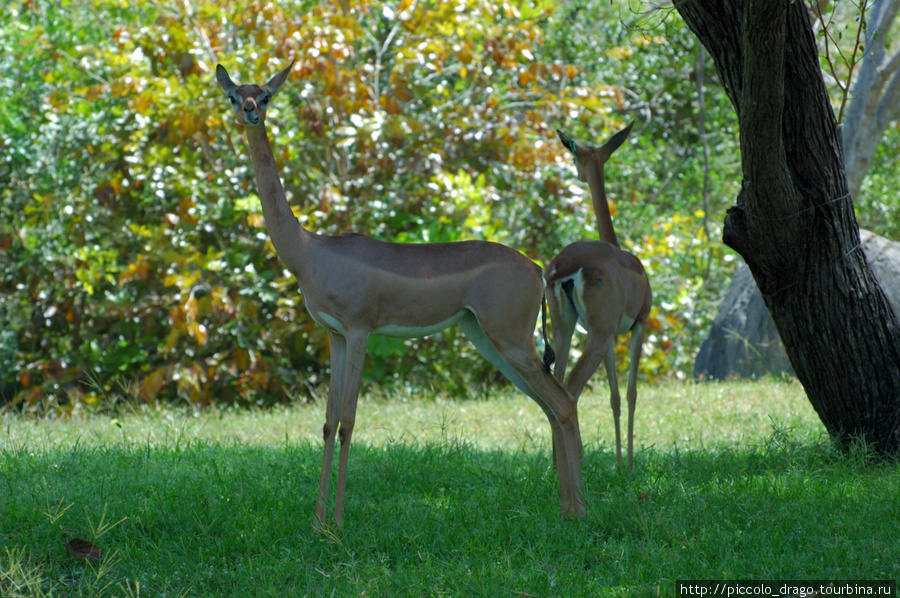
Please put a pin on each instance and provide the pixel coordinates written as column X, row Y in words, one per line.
column 328, row 321
column 401, row 331
column 395, row 330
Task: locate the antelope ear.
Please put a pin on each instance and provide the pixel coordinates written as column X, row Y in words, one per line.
column 278, row 80
column 568, row 142
column 617, row 140
column 223, row 79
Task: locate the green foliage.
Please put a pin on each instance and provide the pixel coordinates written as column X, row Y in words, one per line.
column 878, row 209
column 134, row 252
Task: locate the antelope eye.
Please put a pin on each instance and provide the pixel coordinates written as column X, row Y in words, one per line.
column 264, row 101
column 233, row 101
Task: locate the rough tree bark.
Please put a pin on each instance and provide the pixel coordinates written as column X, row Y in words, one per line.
column 794, row 223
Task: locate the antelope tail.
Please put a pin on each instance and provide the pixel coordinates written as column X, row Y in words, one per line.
column 549, row 354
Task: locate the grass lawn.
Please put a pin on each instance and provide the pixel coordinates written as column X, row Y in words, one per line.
column 445, row 498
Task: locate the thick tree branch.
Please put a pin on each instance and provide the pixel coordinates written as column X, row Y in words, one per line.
column 762, row 108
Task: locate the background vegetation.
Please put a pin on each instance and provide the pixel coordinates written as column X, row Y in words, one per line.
column 134, row 256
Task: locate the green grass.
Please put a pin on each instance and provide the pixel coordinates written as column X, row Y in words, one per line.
column 445, row 498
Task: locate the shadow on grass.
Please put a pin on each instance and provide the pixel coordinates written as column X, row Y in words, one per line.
column 234, row 520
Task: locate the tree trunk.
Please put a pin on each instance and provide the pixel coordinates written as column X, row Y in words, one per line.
column 794, row 223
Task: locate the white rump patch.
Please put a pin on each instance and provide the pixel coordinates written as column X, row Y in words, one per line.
column 578, row 299
column 578, row 296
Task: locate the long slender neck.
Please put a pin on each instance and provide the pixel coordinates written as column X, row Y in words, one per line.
column 597, row 183
column 289, row 238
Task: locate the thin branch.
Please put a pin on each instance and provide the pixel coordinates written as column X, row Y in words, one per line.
column 828, row 59
column 82, row 68
column 200, row 32
column 850, row 63
column 382, row 49
column 701, row 123
column 888, row 68
column 853, row 61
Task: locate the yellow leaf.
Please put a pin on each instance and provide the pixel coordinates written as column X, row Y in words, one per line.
column 172, row 339
column 199, row 332
column 619, row 52
column 190, row 308
column 464, row 55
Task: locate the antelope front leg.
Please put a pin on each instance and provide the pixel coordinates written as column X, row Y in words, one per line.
column 332, row 417
column 353, row 368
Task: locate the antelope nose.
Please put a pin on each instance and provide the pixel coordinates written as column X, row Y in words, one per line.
column 250, row 114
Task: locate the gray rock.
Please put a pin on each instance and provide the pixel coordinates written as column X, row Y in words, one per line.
column 743, row 341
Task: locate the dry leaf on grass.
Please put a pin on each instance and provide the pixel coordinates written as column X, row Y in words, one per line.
column 82, row 549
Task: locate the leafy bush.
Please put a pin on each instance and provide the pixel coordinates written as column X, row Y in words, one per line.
column 135, row 253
